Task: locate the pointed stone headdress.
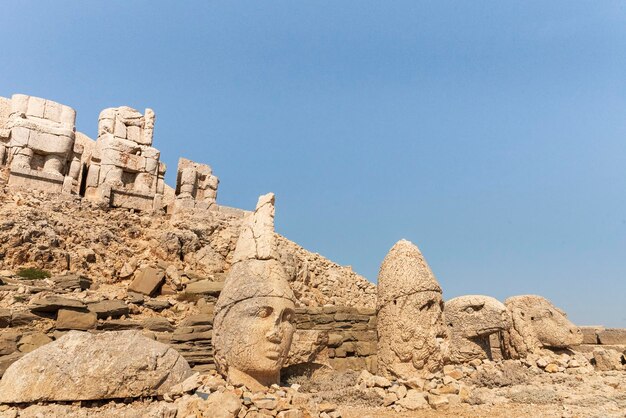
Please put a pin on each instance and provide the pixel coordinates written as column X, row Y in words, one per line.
column 404, row 271
column 255, row 270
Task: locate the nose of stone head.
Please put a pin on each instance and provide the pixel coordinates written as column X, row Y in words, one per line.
column 274, row 335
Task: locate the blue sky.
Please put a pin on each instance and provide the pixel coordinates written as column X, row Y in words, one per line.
column 490, row 133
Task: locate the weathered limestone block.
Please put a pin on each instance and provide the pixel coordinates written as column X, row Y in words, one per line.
column 470, row 321
column 147, row 281
column 196, row 186
column 254, row 315
column 85, row 366
column 536, row 324
column 124, row 169
column 40, row 147
column 410, row 314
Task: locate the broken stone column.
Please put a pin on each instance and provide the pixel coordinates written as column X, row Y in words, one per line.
column 196, row 186
column 537, row 324
column 410, row 321
column 254, row 315
column 40, row 147
column 124, row 169
column 470, row 320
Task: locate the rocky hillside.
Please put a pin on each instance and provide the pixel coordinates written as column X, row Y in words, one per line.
column 63, row 233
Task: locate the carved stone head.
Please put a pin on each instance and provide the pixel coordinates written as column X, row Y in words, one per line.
column 410, row 314
column 470, row 320
column 254, row 319
column 536, row 324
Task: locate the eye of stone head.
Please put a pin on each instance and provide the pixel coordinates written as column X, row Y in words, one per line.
column 427, row 305
column 264, row 312
column 469, row 309
column 288, row 315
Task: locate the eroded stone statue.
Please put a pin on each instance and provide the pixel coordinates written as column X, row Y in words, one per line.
column 537, row 324
column 254, row 315
column 470, row 320
column 410, row 321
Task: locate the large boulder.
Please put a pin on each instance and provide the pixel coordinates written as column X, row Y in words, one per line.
column 85, row 366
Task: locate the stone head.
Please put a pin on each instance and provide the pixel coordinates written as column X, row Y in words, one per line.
column 254, row 319
column 536, row 324
column 475, row 316
column 470, row 320
column 410, row 314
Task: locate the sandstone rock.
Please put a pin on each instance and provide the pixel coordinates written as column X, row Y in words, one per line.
column 20, row 318
column 157, row 304
column 470, row 321
column 147, row 281
column 119, row 325
column 607, row 360
column 52, row 303
column 67, row 320
column 5, row 318
column 72, row 282
column 109, row 308
column 33, row 341
column 413, row 400
column 6, row 361
column 217, row 404
column 410, row 314
column 84, row 366
column 204, row 287
column 8, row 342
column 157, row 325
column 537, row 323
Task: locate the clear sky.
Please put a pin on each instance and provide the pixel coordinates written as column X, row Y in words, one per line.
column 490, row 133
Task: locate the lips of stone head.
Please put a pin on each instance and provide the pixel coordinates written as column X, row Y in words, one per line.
column 261, row 332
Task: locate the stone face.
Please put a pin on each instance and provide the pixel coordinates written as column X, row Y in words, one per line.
column 410, row 314
column 84, row 366
column 254, row 315
column 537, row 323
column 147, row 281
column 67, row 319
column 470, row 320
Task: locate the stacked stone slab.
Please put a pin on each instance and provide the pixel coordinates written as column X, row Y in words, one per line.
column 37, row 144
column 124, row 170
column 196, row 186
column 342, row 337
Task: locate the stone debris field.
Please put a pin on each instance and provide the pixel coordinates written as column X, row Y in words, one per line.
column 121, row 296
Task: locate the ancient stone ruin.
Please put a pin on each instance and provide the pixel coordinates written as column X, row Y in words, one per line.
column 40, row 149
column 138, row 299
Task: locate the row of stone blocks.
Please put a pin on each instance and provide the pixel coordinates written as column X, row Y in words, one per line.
column 599, row 336
column 40, row 149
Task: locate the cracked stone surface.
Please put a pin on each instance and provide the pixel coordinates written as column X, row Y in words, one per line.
column 410, row 314
column 85, row 366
